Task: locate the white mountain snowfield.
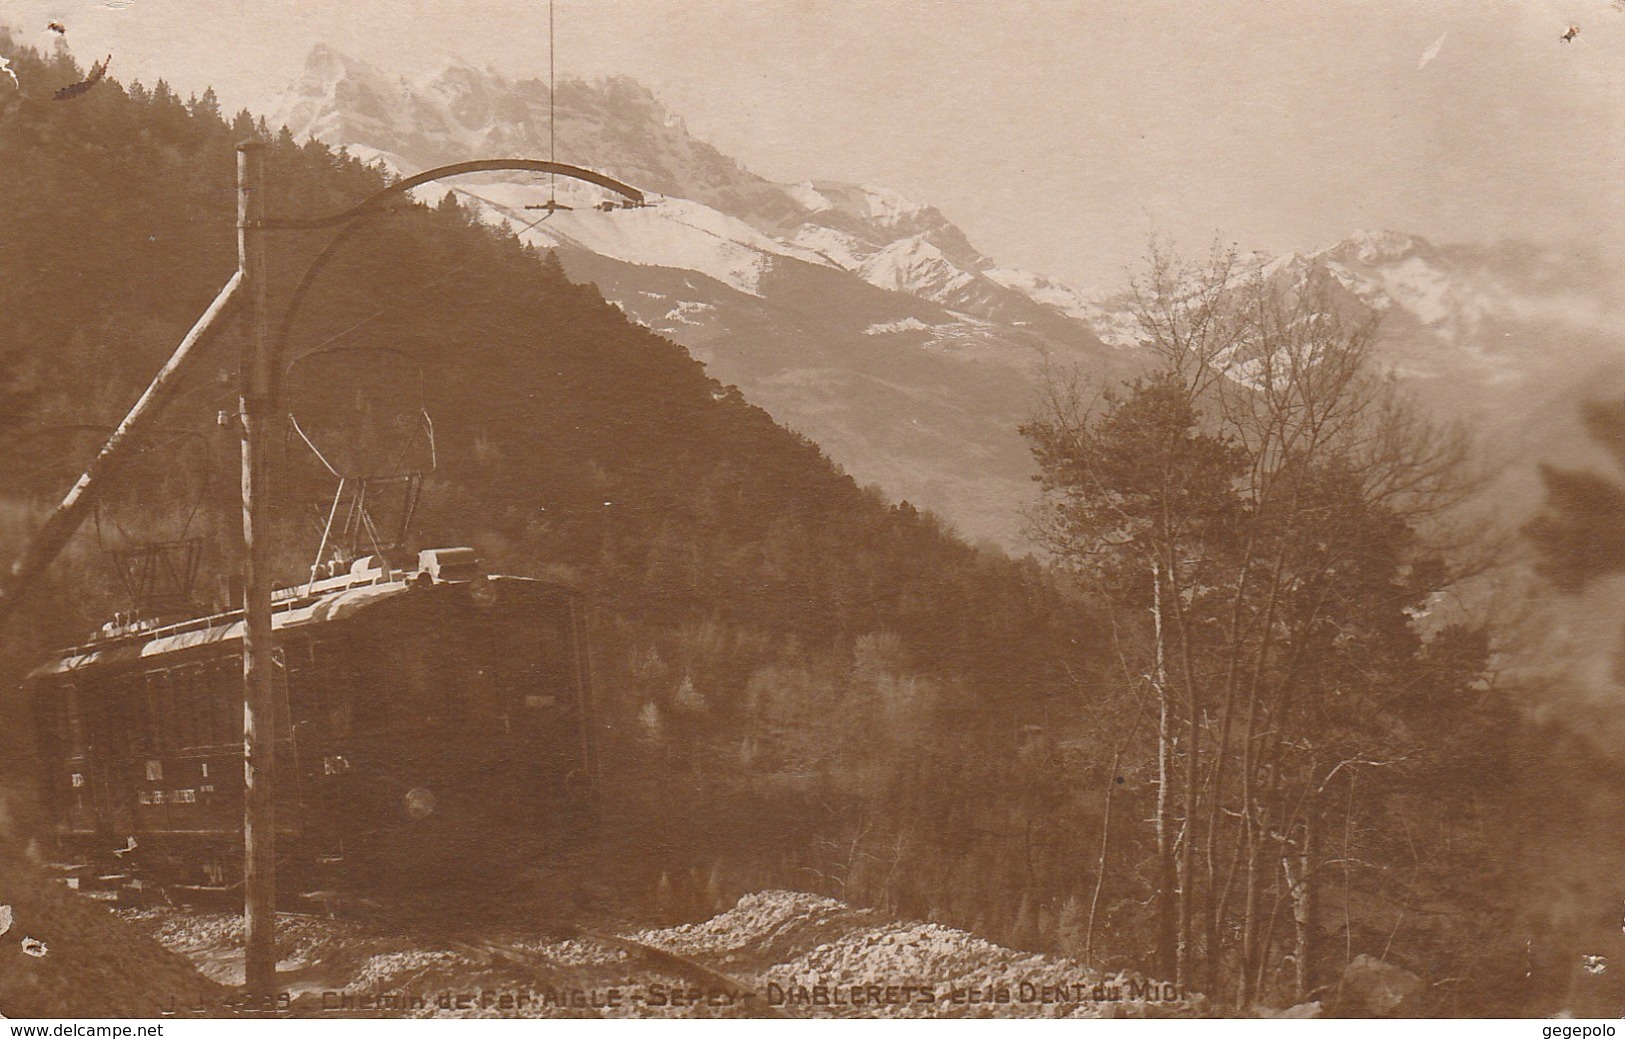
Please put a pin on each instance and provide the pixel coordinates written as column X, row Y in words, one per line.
column 674, row 232
column 867, row 320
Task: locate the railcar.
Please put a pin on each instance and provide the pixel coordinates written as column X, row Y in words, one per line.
column 432, row 722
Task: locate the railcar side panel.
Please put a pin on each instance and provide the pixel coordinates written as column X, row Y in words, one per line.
column 431, row 721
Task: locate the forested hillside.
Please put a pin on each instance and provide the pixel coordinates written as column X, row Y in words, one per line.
column 800, row 683
column 775, row 648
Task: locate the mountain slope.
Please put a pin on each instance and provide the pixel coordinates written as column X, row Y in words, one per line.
column 850, row 313
column 869, row 322
column 775, row 652
column 1484, row 321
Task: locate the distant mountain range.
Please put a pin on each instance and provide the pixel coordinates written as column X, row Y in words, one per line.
column 870, row 323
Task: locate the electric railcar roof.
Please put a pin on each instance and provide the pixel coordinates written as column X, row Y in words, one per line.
column 223, row 628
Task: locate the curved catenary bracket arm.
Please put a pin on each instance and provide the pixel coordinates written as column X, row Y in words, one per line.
column 297, row 301
column 354, row 218
column 454, row 170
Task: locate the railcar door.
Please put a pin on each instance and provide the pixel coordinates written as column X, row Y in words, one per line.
column 540, row 675
column 201, row 750
column 321, row 705
column 423, row 749
column 69, row 782
column 145, row 730
column 114, row 717
column 290, row 678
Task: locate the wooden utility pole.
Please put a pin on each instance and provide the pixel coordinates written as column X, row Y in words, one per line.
column 258, row 406
column 18, row 580
column 257, row 411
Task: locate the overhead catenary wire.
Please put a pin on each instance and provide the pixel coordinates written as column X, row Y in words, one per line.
column 22, row 473
column 552, row 109
column 396, row 303
column 367, row 524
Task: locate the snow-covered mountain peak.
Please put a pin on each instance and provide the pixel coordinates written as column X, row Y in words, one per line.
column 326, row 69
column 867, row 319
column 625, row 90
column 1271, row 267
column 617, row 125
column 327, row 66
column 887, row 208
column 1377, row 247
column 459, row 80
column 323, row 63
column 807, row 197
column 915, row 266
column 880, row 216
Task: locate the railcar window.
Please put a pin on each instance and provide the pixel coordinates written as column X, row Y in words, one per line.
column 554, row 644
column 553, row 653
column 61, row 712
column 156, row 730
column 300, row 690
column 281, row 693
column 328, row 687
column 430, row 674
column 484, row 699
column 338, row 719
column 200, row 703
column 76, row 725
column 537, row 663
column 191, row 711
column 431, row 677
column 130, row 714
column 65, row 718
column 224, row 682
column 171, row 719
column 191, row 724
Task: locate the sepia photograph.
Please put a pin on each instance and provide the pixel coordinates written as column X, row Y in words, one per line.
column 811, row 509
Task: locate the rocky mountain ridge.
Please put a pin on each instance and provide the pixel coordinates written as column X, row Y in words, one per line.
column 870, row 322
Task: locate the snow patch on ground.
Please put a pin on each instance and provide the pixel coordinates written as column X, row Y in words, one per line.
column 685, row 312
column 908, row 324
column 785, row 941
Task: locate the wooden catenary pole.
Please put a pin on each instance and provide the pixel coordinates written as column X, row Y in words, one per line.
column 259, row 738
column 17, row 581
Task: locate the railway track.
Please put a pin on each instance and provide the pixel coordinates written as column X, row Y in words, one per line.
column 675, row 963
column 464, row 927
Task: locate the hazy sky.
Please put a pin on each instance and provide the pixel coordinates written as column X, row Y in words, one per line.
column 1058, row 134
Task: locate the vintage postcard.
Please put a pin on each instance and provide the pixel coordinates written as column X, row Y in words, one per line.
column 689, row 509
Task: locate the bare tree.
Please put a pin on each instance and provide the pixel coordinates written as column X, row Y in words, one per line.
column 1262, row 499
